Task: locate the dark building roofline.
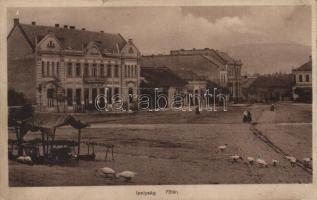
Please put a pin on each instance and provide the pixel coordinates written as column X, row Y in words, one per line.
column 305, row 67
column 40, row 30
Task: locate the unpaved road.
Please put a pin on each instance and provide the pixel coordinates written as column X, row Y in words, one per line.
column 184, row 153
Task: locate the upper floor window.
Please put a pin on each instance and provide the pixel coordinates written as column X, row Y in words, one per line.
column 50, row 44
column 131, row 50
column 86, row 69
column 69, row 69
column 78, row 70
column 116, row 71
column 43, row 68
column 53, row 68
column 57, row 68
column 48, row 69
column 126, row 70
column 132, row 70
column 136, row 71
column 94, row 70
column 307, row 77
column 102, row 70
column 300, row 78
column 109, row 71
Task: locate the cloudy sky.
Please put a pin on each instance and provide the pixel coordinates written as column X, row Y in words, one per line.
column 160, row 29
column 229, row 28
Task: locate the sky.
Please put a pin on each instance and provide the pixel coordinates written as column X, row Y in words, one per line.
column 157, row 30
column 160, row 29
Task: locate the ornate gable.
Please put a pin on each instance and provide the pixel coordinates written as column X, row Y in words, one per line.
column 130, row 50
column 93, row 49
column 49, row 42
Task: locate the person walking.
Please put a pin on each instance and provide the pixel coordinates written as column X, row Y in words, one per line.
column 197, row 110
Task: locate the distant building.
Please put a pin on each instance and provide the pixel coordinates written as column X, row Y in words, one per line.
column 214, row 66
column 302, row 88
column 195, row 84
column 82, row 63
column 246, row 82
column 180, row 82
column 267, row 88
column 164, row 80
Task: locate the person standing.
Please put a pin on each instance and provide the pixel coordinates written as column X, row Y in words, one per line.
column 249, row 116
column 245, row 116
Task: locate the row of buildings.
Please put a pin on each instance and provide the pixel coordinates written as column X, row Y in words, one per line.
column 296, row 86
column 64, row 68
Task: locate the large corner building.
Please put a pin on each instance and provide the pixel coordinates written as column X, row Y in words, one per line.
column 82, row 63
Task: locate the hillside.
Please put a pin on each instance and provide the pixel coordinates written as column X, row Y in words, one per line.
column 268, row 58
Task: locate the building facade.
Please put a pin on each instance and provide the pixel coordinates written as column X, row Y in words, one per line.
column 73, row 66
column 302, row 78
column 214, row 66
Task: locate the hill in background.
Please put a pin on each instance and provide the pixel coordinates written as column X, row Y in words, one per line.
column 270, row 57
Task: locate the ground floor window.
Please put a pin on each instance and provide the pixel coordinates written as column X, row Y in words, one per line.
column 109, row 95
column 130, row 94
column 50, row 97
column 78, row 96
column 86, row 96
column 94, row 94
column 69, row 97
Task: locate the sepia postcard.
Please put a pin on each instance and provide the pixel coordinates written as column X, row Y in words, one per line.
column 141, row 99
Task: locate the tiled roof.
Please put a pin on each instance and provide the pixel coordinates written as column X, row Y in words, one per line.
column 212, row 54
column 226, row 57
column 74, row 38
column 245, row 83
column 160, row 77
column 214, row 60
column 196, row 63
column 281, row 81
column 305, row 67
column 187, row 75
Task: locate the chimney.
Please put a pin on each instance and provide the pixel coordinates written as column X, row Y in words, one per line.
column 83, row 29
column 72, row 27
column 16, row 21
column 56, row 25
column 65, row 26
column 33, row 23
